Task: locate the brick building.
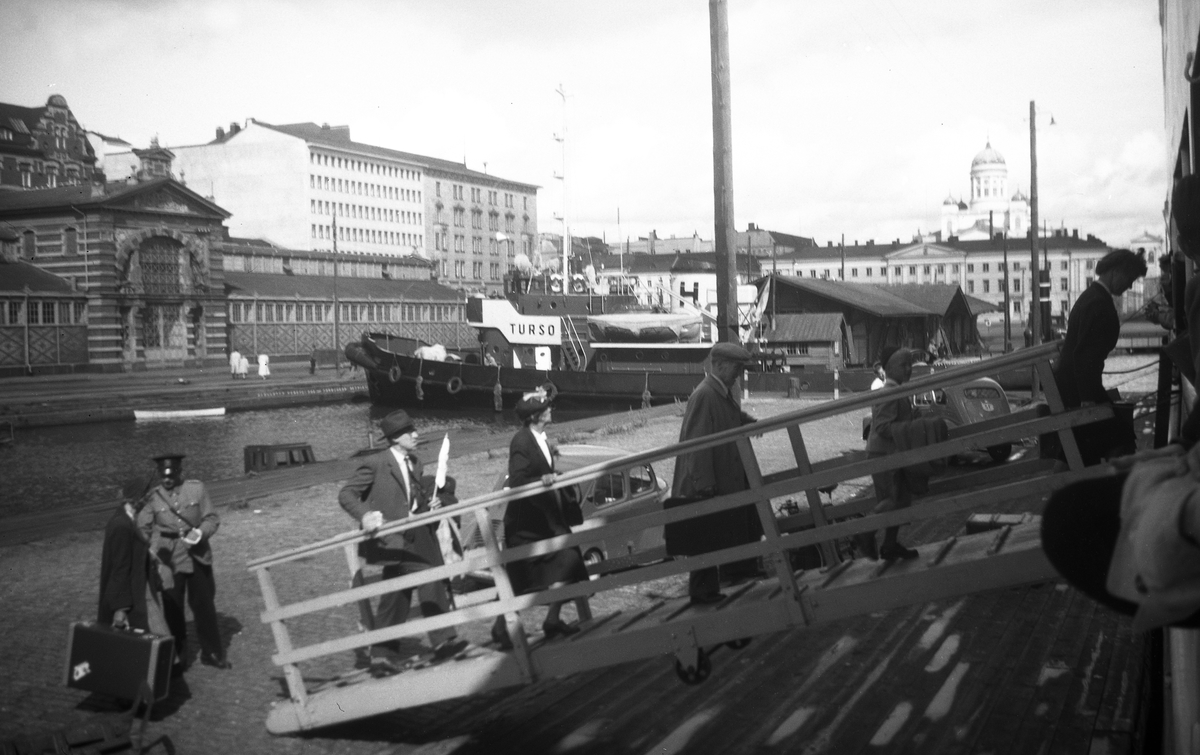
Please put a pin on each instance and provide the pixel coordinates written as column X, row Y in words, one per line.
column 43, row 147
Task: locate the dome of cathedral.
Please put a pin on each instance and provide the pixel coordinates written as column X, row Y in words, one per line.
column 1020, row 196
column 950, row 201
column 988, row 156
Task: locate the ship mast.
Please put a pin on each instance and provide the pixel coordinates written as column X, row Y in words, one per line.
column 726, row 234
column 561, row 138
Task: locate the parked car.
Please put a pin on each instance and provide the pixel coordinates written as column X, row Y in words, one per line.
column 610, row 498
column 964, row 404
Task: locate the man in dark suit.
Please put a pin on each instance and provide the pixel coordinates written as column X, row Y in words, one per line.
column 1093, row 329
column 714, row 472
column 387, row 487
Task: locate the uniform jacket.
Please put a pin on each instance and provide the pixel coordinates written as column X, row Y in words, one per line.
column 124, row 571
column 709, row 473
column 883, row 417
column 538, row 516
column 378, row 485
column 170, row 514
column 1093, row 329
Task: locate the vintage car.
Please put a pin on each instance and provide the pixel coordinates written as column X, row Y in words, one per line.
column 967, row 403
column 609, row 498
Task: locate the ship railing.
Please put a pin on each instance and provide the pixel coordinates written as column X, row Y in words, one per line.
column 579, row 360
column 820, row 527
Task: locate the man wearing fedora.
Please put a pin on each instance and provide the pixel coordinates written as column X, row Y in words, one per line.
column 181, row 520
column 387, row 487
column 713, row 472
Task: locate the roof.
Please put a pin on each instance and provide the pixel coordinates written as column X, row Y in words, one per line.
column 798, row 328
column 934, row 297
column 24, row 120
column 80, row 195
column 873, row 299
column 695, row 262
column 274, row 286
column 979, row 306
column 18, row 275
column 339, row 138
column 874, row 251
column 988, row 156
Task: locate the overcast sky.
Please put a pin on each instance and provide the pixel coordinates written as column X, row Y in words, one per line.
column 853, row 117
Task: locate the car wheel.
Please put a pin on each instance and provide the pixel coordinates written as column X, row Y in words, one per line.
column 1000, row 453
column 593, row 557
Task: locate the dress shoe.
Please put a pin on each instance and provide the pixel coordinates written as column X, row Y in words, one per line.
column 893, row 551
column 707, row 599
column 558, row 627
column 216, row 661
column 500, row 634
column 865, row 542
column 449, row 648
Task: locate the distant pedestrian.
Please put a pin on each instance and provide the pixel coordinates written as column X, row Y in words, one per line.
column 182, row 520
column 130, row 588
column 235, row 359
column 264, row 368
column 243, row 367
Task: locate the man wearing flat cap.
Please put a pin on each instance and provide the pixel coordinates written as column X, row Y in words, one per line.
column 181, row 520
column 387, row 487
column 713, row 472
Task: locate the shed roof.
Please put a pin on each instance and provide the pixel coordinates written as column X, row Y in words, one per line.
column 799, row 328
column 873, row 299
column 274, row 286
column 18, row 275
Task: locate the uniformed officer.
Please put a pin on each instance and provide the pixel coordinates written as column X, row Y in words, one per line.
column 182, row 520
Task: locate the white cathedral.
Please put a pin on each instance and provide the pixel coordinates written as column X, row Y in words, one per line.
column 989, row 197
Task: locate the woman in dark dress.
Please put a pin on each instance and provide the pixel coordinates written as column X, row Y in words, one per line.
column 537, row 517
column 1093, row 329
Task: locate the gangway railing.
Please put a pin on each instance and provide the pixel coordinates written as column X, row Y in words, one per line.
column 786, row 599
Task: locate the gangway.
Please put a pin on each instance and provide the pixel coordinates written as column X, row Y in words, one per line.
column 959, row 565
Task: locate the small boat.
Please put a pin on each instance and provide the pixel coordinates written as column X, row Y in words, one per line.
column 160, row 414
column 645, row 327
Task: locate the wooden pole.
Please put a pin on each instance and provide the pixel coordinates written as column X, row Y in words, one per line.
column 725, row 235
column 1035, row 313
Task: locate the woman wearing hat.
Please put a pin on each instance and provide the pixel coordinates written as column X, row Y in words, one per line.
column 537, row 517
column 130, row 589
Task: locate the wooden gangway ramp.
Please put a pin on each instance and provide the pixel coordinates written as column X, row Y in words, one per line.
column 789, row 598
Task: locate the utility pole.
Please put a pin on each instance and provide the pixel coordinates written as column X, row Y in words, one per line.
column 337, row 330
column 725, row 237
column 566, row 223
column 1035, row 314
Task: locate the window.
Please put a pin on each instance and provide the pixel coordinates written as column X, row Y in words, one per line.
column 29, row 245
column 1016, row 307
column 970, row 287
column 437, row 188
column 47, row 313
column 459, row 243
column 458, row 217
column 609, row 489
column 912, row 269
column 70, row 242
column 477, row 270
column 986, row 267
column 854, row 272
column 1016, row 266
column 970, row 267
column 1088, row 265
column 868, row 272
column 1062, row 284
column 1062, row 265
column 941, row 270
column 954, row 269
column 926, row 270
column 987, row 287
column 1016, row 285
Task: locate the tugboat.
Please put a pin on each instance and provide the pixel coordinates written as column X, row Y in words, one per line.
column 586, row 347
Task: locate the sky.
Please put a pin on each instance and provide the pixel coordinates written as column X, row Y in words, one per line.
column 854, row 117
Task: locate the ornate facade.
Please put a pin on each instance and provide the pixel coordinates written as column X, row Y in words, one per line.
column 142, row 253
column 991, row 209
column 43, row 147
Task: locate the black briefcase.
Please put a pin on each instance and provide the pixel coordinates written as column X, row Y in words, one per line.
column 117, row 662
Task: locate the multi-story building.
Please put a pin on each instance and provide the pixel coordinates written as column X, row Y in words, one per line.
column 755, row 241
column 977, row 266
column 309, row 186
column 478, row 223
column 43, row 147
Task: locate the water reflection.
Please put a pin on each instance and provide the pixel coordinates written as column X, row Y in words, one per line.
column 59, row 467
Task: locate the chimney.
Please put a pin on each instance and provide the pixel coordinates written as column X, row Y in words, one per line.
column 1074, row 233
column 220, row 133
column 828, row 243
column 870, row 242
column 234, row 128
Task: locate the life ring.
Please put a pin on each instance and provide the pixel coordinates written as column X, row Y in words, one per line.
column 454, row 385
column 556, row 287
column 551, row 390
column 394, row 373
column 578, row 287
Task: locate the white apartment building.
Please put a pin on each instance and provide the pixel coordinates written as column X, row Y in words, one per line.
column 298, row 185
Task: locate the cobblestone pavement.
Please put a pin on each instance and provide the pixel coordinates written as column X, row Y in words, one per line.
column 1009, row 671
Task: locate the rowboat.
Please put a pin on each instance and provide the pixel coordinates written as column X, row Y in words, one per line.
column 160, row 414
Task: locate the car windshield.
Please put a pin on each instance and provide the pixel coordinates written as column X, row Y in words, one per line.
column 610, row 488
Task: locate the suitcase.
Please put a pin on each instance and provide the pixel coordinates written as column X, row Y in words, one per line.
column 117, row 662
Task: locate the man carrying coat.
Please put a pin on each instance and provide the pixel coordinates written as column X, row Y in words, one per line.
column 713, row 472
column 387, row 487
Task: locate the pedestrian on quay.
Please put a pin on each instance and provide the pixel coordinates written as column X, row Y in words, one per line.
column 264, row 366
column 537, row 517
column 130, row 587
column 1093, row 328
column 387, row 487
column 182, row 520
column 235, row 360
column 243, row 366
column 714, row 472
column 1129, row 541
column 894, row 428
